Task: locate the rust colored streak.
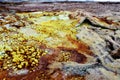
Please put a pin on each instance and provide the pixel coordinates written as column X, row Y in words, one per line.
column 81, row 46
column 1, row 63
column 3, row 74
column 104, row 19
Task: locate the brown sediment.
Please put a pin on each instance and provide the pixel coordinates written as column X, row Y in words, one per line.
column 3, row 74
column 104, row 19
column 116, row 55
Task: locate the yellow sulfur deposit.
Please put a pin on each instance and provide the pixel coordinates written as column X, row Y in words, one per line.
column 20, row 43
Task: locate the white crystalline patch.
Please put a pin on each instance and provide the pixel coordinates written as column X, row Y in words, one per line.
column 36, row 12
column 54, row 18
column 19, row 72
column 28, row 32
column 45, row 18
column 7, row 26
column 63, row 17
column 2, row 52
